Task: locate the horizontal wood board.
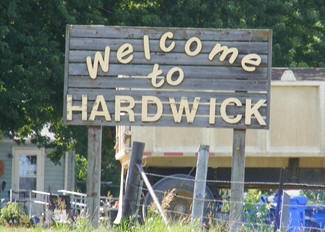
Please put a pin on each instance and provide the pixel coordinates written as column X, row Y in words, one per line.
column 202, row 78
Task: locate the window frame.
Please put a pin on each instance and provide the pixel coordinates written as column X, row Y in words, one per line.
column 40, row 163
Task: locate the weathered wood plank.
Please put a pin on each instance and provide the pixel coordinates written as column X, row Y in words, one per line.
column 187, row 84
column 189, row 71
column 99, row 44
column 164, row 95
column 179, row 33
column 167, row 122
column 161, row 58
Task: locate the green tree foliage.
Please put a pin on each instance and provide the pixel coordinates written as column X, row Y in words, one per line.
column 110, row 170
column 32, row 46
column 81, row 172
column 298, row 26
column 314, row 196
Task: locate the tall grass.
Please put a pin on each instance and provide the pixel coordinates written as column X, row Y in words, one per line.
column 152, row 224
column 155, row 223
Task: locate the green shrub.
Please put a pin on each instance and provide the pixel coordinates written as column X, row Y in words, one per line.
column 256, row 213
column 11, row 214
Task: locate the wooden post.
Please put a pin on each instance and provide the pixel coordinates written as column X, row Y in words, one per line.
column 140, row 189
column 129, row 207
column 200, row 184
column 237, row 179
column 94, row 173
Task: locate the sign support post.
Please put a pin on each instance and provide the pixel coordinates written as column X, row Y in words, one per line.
column 237, row 178
column 94, row 173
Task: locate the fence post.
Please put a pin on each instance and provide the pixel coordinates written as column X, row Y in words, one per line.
column 285, row 213
column 94, row 173
column 30, row 204
column 237, row 179
column 200, row 184
column 278, row 206
column 129, row 206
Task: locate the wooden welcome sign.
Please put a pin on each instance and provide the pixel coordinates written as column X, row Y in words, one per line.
column 167, row 77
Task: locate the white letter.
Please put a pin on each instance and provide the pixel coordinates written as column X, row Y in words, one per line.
column 104, row 63
column 128, row 109
column 225, row 51
column 188, row 46
column 212, row 115
column 154, row 74
column 223, row 111
column 125, row 50
column 163, row 38
column 144, row 114
column 251, row 59
column 82, row 108
column 179, row 79
column 183, row 105
column 250, row 111
column 146, row 47
column 94, row 112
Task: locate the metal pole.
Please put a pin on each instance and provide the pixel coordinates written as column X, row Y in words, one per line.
column 237, row 179
column 200, row 184
column 278, row 206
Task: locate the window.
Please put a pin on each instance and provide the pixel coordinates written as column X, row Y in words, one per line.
column 27, row 172
column 28, row 168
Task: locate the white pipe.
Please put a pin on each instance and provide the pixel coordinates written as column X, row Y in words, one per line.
column 72, row 193
column 41, row 192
